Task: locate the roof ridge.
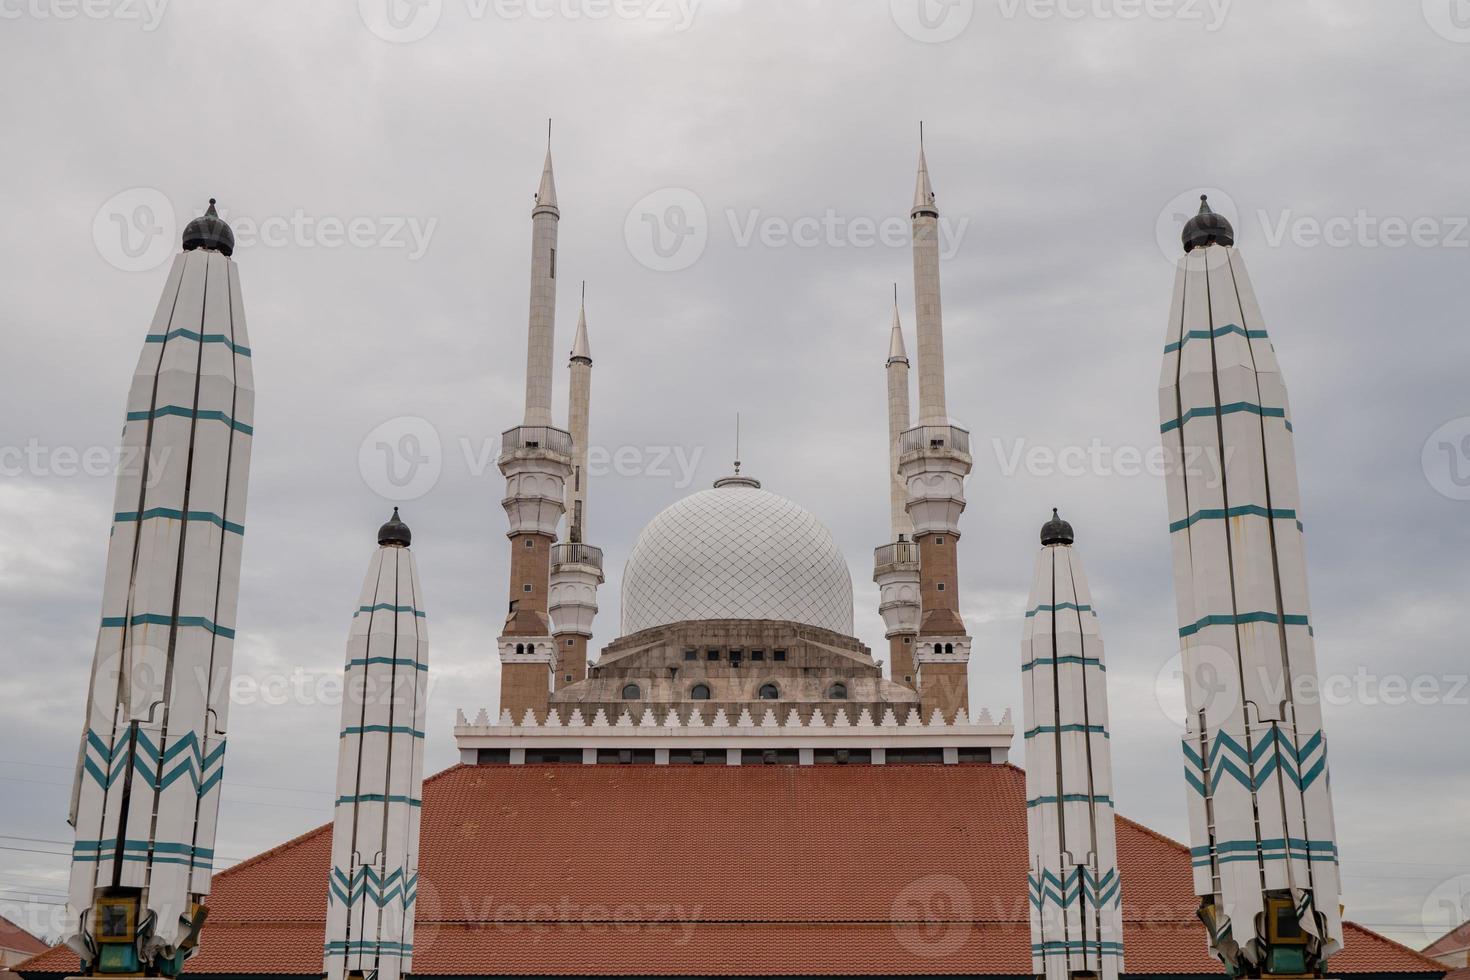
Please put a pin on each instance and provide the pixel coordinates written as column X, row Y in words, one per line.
column 25, row 933
column 1463, row 926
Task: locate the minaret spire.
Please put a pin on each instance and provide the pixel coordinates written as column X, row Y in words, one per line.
column 896, row 564
column 545, row 217
column 900, row 525
column 536, row 459
column 927, row 314
column 576, row 567
column 923, row 192
column 546, row 192
column 934, row 462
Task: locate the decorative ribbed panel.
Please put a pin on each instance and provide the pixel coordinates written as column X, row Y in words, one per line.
column 380, row 774
column 146, row 797
column 1072, row 879
column 1254, row 753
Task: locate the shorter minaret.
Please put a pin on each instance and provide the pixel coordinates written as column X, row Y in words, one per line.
column 536, row 459
column 934, row 460
column 380, row 771
column 1076, row 904
column 576, row 567
column 896, row 564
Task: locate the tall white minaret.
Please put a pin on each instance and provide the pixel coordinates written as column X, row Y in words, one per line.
column 927, row 311
column 545, row 217
column 1072, row 880
column 934, row 460
column 536, row 459
column 1255, row 758
column 896, row 564
column 373, row 883
column 146, row 798
column 576, row 567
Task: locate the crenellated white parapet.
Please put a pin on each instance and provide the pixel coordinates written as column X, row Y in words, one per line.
column 685, row 727
column 536, row 461
column 576, row 572
column 896, row 570
column 934, row 463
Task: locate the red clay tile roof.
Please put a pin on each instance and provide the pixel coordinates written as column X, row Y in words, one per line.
column 1456, row 939
column 695, row 870
column 14, row 937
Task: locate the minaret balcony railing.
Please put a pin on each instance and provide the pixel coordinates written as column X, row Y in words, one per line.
column 576, row 554
column 932, row 437
column 898, row 553
column 543, row 437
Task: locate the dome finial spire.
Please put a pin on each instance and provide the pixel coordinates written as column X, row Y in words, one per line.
column 737, row 480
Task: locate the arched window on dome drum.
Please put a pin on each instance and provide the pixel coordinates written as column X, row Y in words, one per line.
column 949, row 648
column 520, row 648
column 939, row 648
column 631, row 692
column 837, row 692
column 699, row 692
column 769, row 692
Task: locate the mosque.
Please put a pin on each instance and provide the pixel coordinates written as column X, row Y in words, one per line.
column 735, row 786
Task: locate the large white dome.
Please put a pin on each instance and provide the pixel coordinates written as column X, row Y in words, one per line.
column 736, row 552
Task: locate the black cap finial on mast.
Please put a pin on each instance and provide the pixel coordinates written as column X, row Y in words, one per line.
column 395, row 532
column 1206, row 228
column 209, row 231
column 1056, row 530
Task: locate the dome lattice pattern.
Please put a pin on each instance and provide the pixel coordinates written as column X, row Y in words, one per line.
column 736, row 553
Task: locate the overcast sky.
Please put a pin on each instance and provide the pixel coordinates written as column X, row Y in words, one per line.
column 734, row 181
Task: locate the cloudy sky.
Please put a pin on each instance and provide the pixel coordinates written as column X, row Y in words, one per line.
column 734, row 182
